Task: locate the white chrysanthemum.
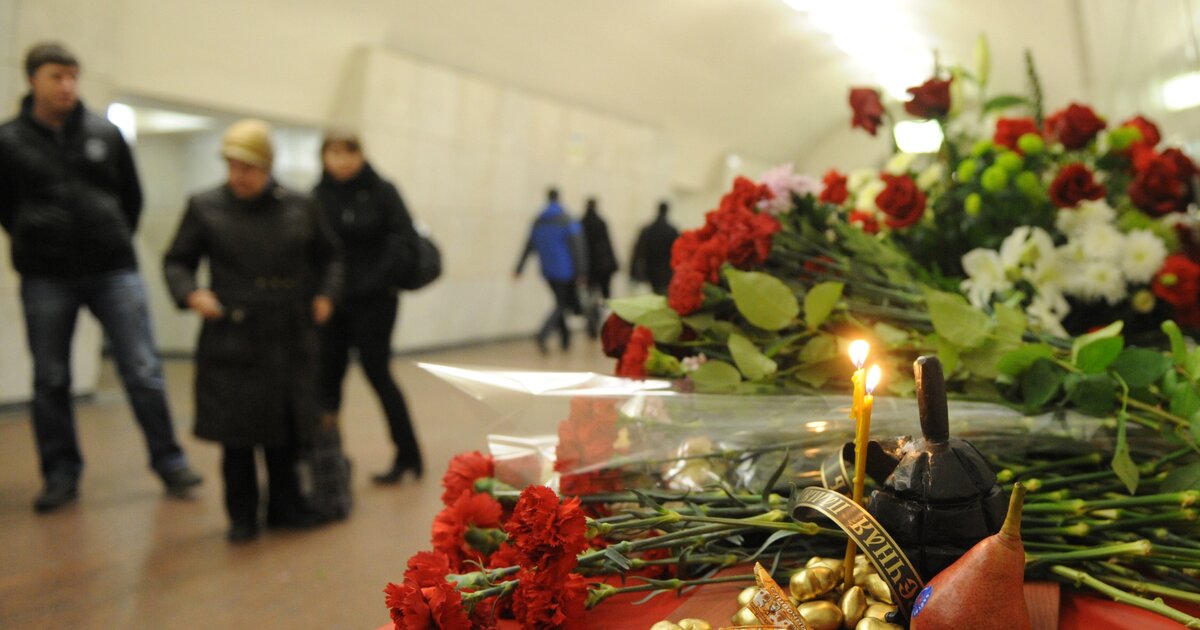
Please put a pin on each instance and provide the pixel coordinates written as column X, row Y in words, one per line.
column 1026, row 246
column 931, row 176
column 1046, row 313
column 857, row 179
column 985, row 276
column 1074, row 221
column 1102, row 241
column 1048, row 276
column 1098, row 280
column 865, row 199
column 900, row 163
column 1144, row 255
column 1072, row 253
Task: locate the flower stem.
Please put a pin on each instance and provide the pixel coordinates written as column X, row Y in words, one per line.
column 665, row 585
column 1141, row 588
column 1154, row 606
column 1139, row 548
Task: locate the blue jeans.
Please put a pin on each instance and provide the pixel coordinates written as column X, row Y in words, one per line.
column 118, row 300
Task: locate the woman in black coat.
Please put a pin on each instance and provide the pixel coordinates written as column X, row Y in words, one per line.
column 275, row 270
column 602, row 263
column 368, row 214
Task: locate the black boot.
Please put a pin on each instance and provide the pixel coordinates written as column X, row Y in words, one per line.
column 401, row 466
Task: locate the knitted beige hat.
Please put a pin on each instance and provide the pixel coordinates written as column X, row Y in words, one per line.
column 249, row 141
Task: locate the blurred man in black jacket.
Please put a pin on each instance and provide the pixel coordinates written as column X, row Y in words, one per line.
column 70, row 200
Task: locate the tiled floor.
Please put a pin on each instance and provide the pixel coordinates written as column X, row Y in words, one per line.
column 127, row 557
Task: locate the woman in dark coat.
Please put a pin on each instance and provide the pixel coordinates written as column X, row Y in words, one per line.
column 368, row 215
column 275, row 270
column 602, row 263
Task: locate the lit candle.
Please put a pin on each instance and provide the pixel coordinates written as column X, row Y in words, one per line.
column 861, row 435
column 859, row 350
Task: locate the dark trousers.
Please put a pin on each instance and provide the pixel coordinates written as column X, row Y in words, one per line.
column 566, row 300
column 365, row 325
column 118, row 300
column 240, row 473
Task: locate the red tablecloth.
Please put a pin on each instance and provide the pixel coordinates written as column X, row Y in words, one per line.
column 716, row 603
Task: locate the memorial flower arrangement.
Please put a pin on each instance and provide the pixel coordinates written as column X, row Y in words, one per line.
column 1016, row 255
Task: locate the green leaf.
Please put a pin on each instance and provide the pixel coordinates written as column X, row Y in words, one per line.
column 664, row 323
column 1017, row 361
column 946, row 352
column 1122, row 463
column 819, row 302
column 1004, row 101
column 1182, row 478
column 1096, row 356
column 715, row 376
column 1094, row 394
column 1178, row 348
column 1140, row 367
column 631, row 309
column 957, row 321
column 1010, row 324
column 778, row 345
column 1041, row 383
column 1111, row 330
column 1185, row 402
column 890, row 335
column 820, row 348
column 753, row 364
column 762, row 299
column 814, row 376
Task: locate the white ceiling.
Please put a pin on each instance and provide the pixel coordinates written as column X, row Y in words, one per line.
column 759, row 78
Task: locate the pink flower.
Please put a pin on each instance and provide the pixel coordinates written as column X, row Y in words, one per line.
column 783, row 181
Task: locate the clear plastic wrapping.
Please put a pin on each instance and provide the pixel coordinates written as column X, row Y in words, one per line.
column 588, row 433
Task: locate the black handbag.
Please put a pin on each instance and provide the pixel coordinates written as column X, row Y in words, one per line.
column 324, row 473
column 426, row 266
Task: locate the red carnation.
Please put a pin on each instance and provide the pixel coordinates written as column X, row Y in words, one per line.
column 450, row 527
column 835, row 191
column 901, row 201
column 429, row 608
column 1009, row 130
column 868, row 109
column 546, row 532
column 685, row 294
column 1178, row 282
column 1073, row 184
column 864, row 220
column 633, row 362
column 1150, row 135
column 463, row 471
column 745, row 196
column 931, row 99
column 1074, row 126
column 586, row 437
column 614, row 336
column 427, row 568
column 550, row 602
column 1163, row 181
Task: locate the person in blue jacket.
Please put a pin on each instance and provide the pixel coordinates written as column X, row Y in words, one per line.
column 558, row 241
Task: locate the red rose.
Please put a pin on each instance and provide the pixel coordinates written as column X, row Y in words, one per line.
column 1073, row 184
column 1162, row 183
column 1178, row 282
column 901, row 201
column 1074, row 126
column 586, row 437
column 1009, row 130
column 436, row 607
column 835, row 191
column 614, row 336
column 865, row 220
column 685, row 294
column 546, row 532
column 868, row 109
column 931, row 99
column 463, row 471
column 633, row 362
column 1150, row 135
column 548, row 602
column 451, row 526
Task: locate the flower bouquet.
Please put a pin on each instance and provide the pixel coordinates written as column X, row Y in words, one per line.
column 1015, row 255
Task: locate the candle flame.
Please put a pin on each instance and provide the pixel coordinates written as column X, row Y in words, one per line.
column 873, row 376
column 859, row 349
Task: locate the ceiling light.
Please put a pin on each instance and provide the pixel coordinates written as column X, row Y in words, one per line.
column 918, row 137
column 1181, row 92
column 123, row 117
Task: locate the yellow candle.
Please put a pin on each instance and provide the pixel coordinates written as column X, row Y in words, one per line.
column 859, row 350
column 861, row 437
